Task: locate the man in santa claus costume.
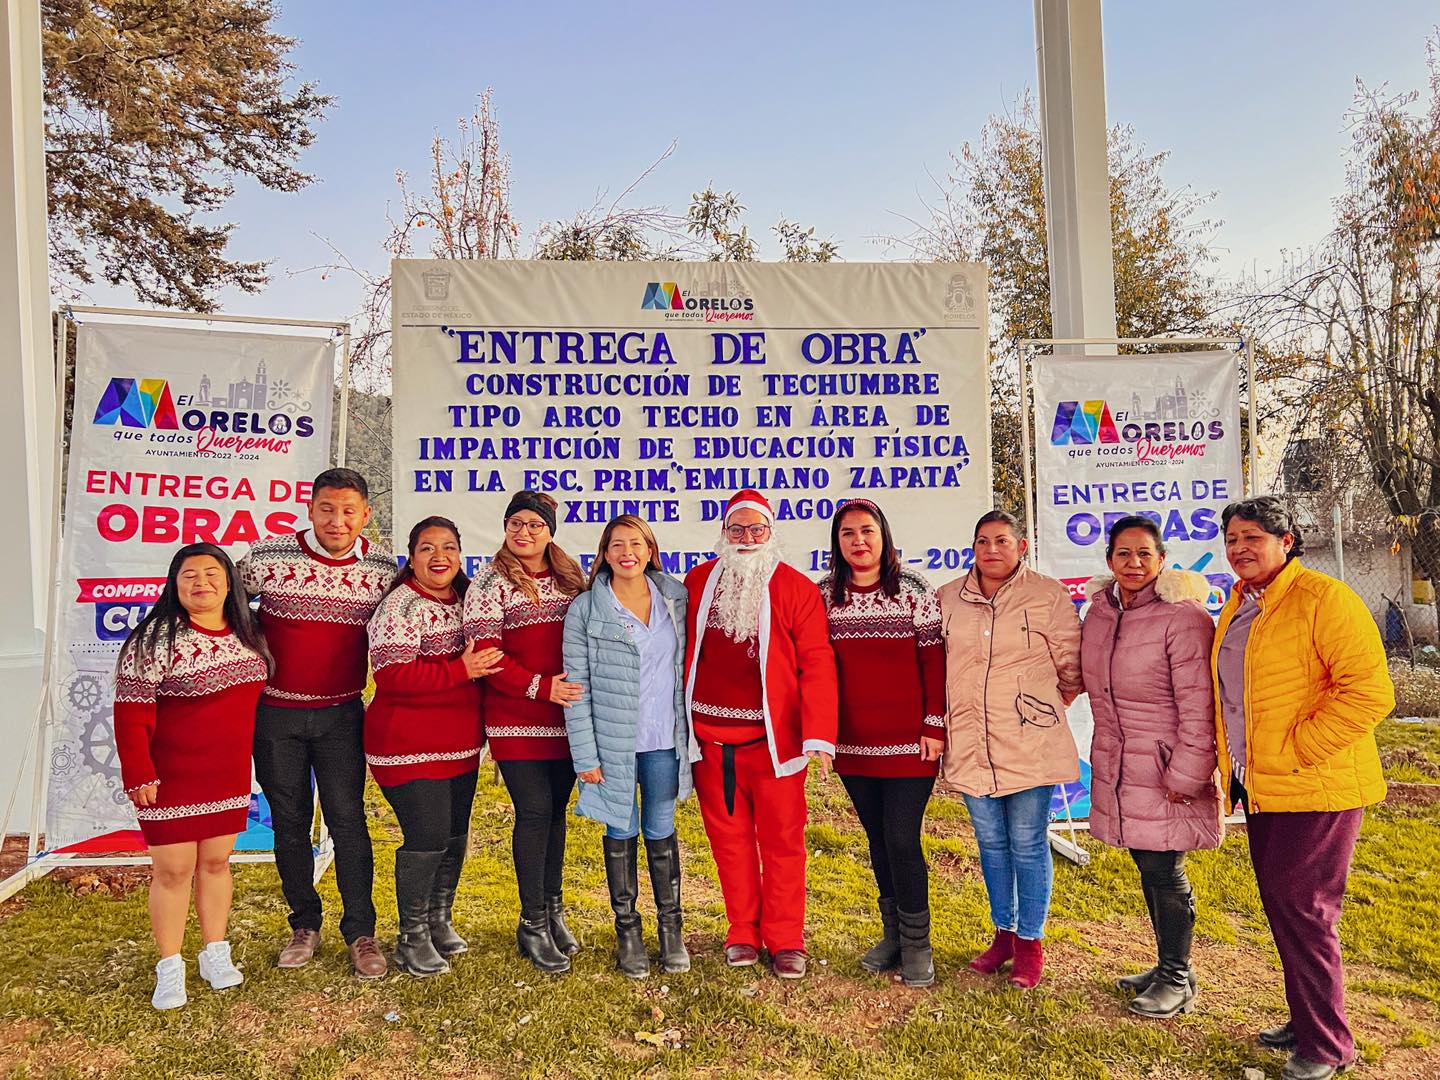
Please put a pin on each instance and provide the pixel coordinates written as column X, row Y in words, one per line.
column 760, row 687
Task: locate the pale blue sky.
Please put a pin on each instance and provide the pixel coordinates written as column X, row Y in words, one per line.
column 829, row 113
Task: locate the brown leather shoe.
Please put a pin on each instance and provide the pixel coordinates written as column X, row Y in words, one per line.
column 790, row 964
column 741, row 955
column 301, row 949
column 366, row 958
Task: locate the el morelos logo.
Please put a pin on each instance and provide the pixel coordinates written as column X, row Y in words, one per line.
column 138, row 403
column 1083, row 423
column 722, row 298
column 250, row 415
column 1178, row 423
column 662, row 296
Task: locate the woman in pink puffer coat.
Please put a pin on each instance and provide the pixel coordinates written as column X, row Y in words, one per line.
column 1145, row 659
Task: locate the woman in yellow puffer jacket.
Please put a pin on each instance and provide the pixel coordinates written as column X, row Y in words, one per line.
column 1300, row 684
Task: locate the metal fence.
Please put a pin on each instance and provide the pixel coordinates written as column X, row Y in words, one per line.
column 1347, row 539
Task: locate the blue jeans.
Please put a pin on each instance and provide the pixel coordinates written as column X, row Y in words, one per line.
column 1015, row 858
column 658, row 774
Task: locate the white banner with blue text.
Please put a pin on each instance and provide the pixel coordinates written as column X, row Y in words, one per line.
column 659, row 389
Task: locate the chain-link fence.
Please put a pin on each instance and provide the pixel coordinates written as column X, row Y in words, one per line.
column 1349, row 534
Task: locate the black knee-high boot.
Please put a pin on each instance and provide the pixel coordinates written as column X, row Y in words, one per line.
column 1138, row 984
column 622, row 874
column 917, row 965
column 442, row 899
column 663, row 857
column 414, row 881
column 884, row 955
column 1173, row 989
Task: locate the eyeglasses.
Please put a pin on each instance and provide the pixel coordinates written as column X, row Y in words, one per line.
column 514, row 525
column 755, row 532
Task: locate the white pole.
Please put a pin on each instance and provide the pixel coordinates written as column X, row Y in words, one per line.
column 199, row 316
column 1337, row 529
column 1025, row 467
column 27, row 407
column 47, row 692
column 1252, row 421
column 341, row 439
column 1070, row 60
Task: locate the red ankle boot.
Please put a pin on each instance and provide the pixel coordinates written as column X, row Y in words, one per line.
column 1029, row 963
column 1001, row 950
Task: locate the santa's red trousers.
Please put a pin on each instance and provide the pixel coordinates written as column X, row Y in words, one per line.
column 759, row 849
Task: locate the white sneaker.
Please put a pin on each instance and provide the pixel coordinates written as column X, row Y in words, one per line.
column 169, row 983
column 216, row 967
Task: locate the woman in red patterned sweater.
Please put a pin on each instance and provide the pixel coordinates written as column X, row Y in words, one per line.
column 186, row 686
column 519, row 607
column 423, row 736
column 890, row 658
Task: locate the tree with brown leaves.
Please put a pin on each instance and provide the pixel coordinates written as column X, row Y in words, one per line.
column 1354, row 328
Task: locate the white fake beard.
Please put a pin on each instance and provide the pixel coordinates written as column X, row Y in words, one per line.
column 742, row 585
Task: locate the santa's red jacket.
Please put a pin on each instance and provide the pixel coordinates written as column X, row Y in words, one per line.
column 797, row 665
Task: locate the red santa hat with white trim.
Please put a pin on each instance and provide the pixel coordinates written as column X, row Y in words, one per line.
column 750, row 499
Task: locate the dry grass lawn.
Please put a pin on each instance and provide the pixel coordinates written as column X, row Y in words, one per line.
column 76, row 957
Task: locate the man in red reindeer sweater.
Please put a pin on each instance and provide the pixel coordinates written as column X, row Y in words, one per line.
column 760, row 687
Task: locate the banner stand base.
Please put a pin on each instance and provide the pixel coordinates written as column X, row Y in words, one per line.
column 31, row 871
column 1064, row 845
column 324, row 856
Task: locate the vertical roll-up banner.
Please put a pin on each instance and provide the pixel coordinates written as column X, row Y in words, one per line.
column 659, row 389
column 179, row 436
column 1154, row 435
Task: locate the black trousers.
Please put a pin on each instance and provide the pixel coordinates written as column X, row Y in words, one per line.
column 290, row 745
column 1163, row 870
column 432, row 811
column 540, row 791
column 891, row 811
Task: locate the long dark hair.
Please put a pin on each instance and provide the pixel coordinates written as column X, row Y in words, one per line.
column 889, row 558
column 407, row 572
column 158, row 628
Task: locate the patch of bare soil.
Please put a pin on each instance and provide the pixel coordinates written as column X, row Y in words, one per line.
column 1412, row 794
column 24, row 1051
column 1241, row 991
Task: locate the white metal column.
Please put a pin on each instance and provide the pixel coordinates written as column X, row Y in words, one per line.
column 27, row 428
column 1070, row 56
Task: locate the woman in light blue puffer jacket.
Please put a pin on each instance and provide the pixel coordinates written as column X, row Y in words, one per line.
column 625, row 647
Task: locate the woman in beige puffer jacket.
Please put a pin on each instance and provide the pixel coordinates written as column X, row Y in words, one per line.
column 1012, row 660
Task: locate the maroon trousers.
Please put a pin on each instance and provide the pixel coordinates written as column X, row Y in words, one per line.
column 1301, row 862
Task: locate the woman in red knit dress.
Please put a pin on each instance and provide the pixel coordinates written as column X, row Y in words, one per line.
column 890, row 658
column 423, row 736
column 186, row 685
column 519, row 607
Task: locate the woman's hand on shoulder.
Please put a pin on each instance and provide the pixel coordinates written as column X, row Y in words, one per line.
column 481, row 662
